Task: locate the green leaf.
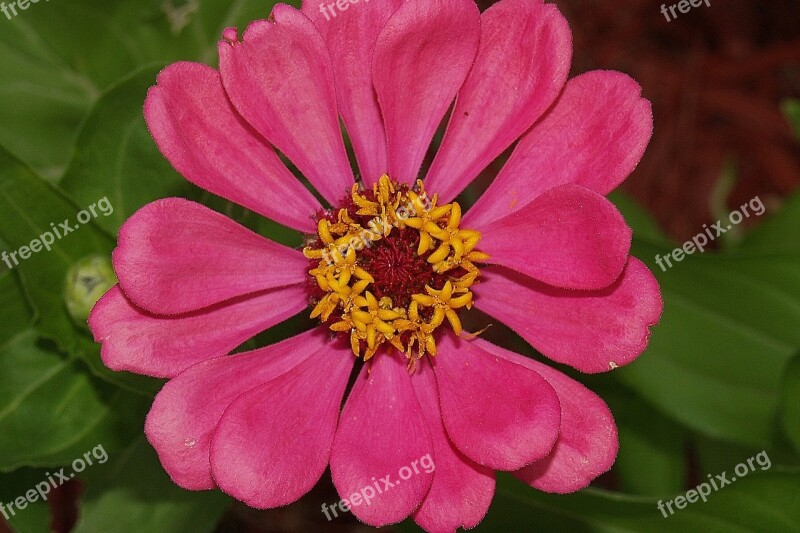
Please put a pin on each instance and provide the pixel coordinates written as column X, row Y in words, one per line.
column 52, row 410
column 644, row 226
column 15, row 313
column 716, row 360
column 116, row 157
column 646, row 437
column 790, row 404
column 41, row 96
column 58, row 57
column 33, row 208
column 728, row 330
column 131, row 492
column 777, row 233
column 764, row 501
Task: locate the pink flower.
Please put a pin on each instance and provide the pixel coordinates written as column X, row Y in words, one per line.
column 388, row 269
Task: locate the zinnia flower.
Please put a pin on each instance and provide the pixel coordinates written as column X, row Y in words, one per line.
column 390, row 263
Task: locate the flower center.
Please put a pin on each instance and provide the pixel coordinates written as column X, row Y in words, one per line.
column 390, row 266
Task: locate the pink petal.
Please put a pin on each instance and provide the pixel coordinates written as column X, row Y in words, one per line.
column 198, row 130
column 281, row 81
column 273, row 443
column 587, row 443
column 186, row 412
column 382, row 431
column 175, row 256
column 522, row 64
column 568, row 237
column 351, row 36
column 592, row 331
column 421, row 59
column 594, row 136
column 497, row 413
column 462, row 490
column 164, row 346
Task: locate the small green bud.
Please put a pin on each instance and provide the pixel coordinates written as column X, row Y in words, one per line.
column 87, row 280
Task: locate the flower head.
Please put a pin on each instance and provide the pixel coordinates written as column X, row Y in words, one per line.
column 390, row 263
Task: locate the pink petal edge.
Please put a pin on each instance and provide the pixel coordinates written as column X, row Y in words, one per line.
column 421, row 59
column 273, row 442
column 497, row 413
column 175, row 256
column 591, row 331
column 136, row 341
column 587, row 443
column 186, row 412
column 280, row 79
column 382, row 433
column 521, row 67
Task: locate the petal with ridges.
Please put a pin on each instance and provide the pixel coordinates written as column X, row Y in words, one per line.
column 134, row 340
column 273, row 443
column 594, row 136
column 186, row 412
column 421, row 59
column 280, row 79
column 592, row 331
column 199, row 132
column 497, row 413
column 461, row 490
column 175, row 256
column 587, row 442
column 382, row 431
column 351, row 36
column 522, row 64
column 568, row 237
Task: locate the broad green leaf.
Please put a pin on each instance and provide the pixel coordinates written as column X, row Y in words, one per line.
column 718, row 203
column 762, row 501
column 778, row 233
column 646, row 437
column 790, row 404
column 716, row 360
column 52, row 409
column 15, row 313
column 768, row 501
column 713, row 456
column 58, row 58
column 131, row 492
column 115, row 156
column 42, row 97
column 32, row 208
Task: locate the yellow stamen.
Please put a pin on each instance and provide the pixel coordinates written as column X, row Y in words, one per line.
column 348, row 285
